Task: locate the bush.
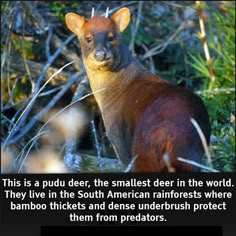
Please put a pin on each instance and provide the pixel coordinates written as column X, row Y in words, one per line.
column 219, row 93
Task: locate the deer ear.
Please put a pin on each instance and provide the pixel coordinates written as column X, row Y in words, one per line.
column 121, row 18
column 75, row 22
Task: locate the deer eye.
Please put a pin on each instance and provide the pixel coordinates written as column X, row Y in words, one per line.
column 89, row 39
column 110, row 38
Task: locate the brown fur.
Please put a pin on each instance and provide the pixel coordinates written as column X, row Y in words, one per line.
column 144, row 115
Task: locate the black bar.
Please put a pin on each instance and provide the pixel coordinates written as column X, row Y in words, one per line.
column 125, row 230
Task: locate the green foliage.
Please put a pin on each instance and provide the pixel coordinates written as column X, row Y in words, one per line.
column 142, row 37
column 220, row 95
column 224, row 48
column 62, row 7
column 3, row 120
column 20, row 88
column 24, row 48
column 224, row 148
column 173, row 64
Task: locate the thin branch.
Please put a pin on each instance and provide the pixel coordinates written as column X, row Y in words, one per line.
column 161, row 47
column 202, row 36
column 97, row 145
column 176, row 5
column 47, row 47
column 136, row 26
column 120, row 6
column 70, row 55
column 17, row 67
column 23, row 117
column 151, row 62
column 30, row 104
column 55, row 115
column 35, row 16
column 20, row 155
column 167, row 161
column 217, row 90
column 35, row 118
column 196, row 164
column 32, row 141
column 131, row 164
column 71, row 160
column 203, row 139
column 24, row 55
column 50, row 91
column 51, row 60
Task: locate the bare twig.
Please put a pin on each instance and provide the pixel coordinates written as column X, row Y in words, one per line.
column 203, row 139
column 120, row 6
column 50, row 91
column 47, row 47
column 33, row 95
column 30, row 104
column 97, row 145
column 22, row 154
column 55, row 115
column 50, row 61
column 151, row 62
column 131, row 164
column 17, row 67
column 70, row 159
column 202, row 36
column 166, row 159
column 176, row 5
column 217, row 90
column 136, row 26
column 24, row 56
column 193, row 163
column 107, row 13
column 70, row 55
column 161, row 47
column 39, row 115
column 92, row 14
column 35, row 16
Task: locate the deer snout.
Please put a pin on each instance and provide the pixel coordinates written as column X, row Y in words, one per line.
column 100, row 55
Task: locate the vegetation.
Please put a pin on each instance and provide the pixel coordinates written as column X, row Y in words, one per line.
column 219, row 88
column 164, row 36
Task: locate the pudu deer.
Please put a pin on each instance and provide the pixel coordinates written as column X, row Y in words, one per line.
column 145, row 117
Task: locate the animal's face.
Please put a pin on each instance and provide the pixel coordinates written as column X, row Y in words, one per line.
column 100, row 38
column 100, row 43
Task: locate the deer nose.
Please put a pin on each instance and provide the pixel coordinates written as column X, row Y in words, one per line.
column 100, row 55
